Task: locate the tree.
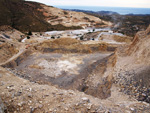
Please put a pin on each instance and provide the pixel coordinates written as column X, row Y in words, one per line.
column 52, row 37
column 29, row 33
column 81, row 38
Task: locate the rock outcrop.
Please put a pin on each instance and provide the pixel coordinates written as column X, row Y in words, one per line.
column 132, row 71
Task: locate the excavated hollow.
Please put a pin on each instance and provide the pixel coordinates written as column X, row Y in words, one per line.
column 68, row 71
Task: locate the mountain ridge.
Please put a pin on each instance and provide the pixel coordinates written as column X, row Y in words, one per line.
column 25, row 15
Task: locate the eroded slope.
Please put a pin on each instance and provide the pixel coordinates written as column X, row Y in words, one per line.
column 133, row 68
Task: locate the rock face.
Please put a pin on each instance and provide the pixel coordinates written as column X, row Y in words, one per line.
column 133, row 70
column 140, row 46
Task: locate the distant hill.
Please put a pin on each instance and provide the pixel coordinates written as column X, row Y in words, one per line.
column 25, row 16
column 128, row 24
column 95, row 12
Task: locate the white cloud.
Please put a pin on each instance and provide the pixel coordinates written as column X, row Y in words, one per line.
column 115, row 3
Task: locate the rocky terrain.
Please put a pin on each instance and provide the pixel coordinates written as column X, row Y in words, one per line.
column 90, row 70
column 134, row 71
column 54, row 75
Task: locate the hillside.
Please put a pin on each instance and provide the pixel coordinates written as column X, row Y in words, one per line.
column 128, row 24
column 24, row 16
column 132, row 69
column 57, row 16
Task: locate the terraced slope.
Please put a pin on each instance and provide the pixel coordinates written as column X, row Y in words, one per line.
column 25, row 16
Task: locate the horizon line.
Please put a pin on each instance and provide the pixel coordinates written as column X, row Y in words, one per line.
column 98, row 6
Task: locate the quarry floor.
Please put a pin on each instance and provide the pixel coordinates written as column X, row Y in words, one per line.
column 57, row 68
column 57, row 82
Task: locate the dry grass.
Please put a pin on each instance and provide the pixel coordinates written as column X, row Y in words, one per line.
column 68, row 45
column 36, row 67
column 122, row 38
column 7, row 51
column 65, row 41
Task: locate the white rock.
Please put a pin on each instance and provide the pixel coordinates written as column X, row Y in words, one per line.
column 30, row 89
column 19, row 104
column 89, row 106
column 30, row 101
column 50, row 110
column 40, row 106
column 40, row 102
column 132, row 109
column 85, row 99
column 66, row 109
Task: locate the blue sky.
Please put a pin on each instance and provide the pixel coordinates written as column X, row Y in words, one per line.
column 111, row 3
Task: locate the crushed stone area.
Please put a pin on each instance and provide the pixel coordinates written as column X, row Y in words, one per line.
column 56, row 67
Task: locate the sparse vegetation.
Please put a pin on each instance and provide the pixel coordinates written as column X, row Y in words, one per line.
column 122, row 38
column 29, row 33
column 65, row 12
column 7, row 51
column 21, row 15
column 52, row 37
column 68, row 45
column 86, row 18
column 81, row 38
